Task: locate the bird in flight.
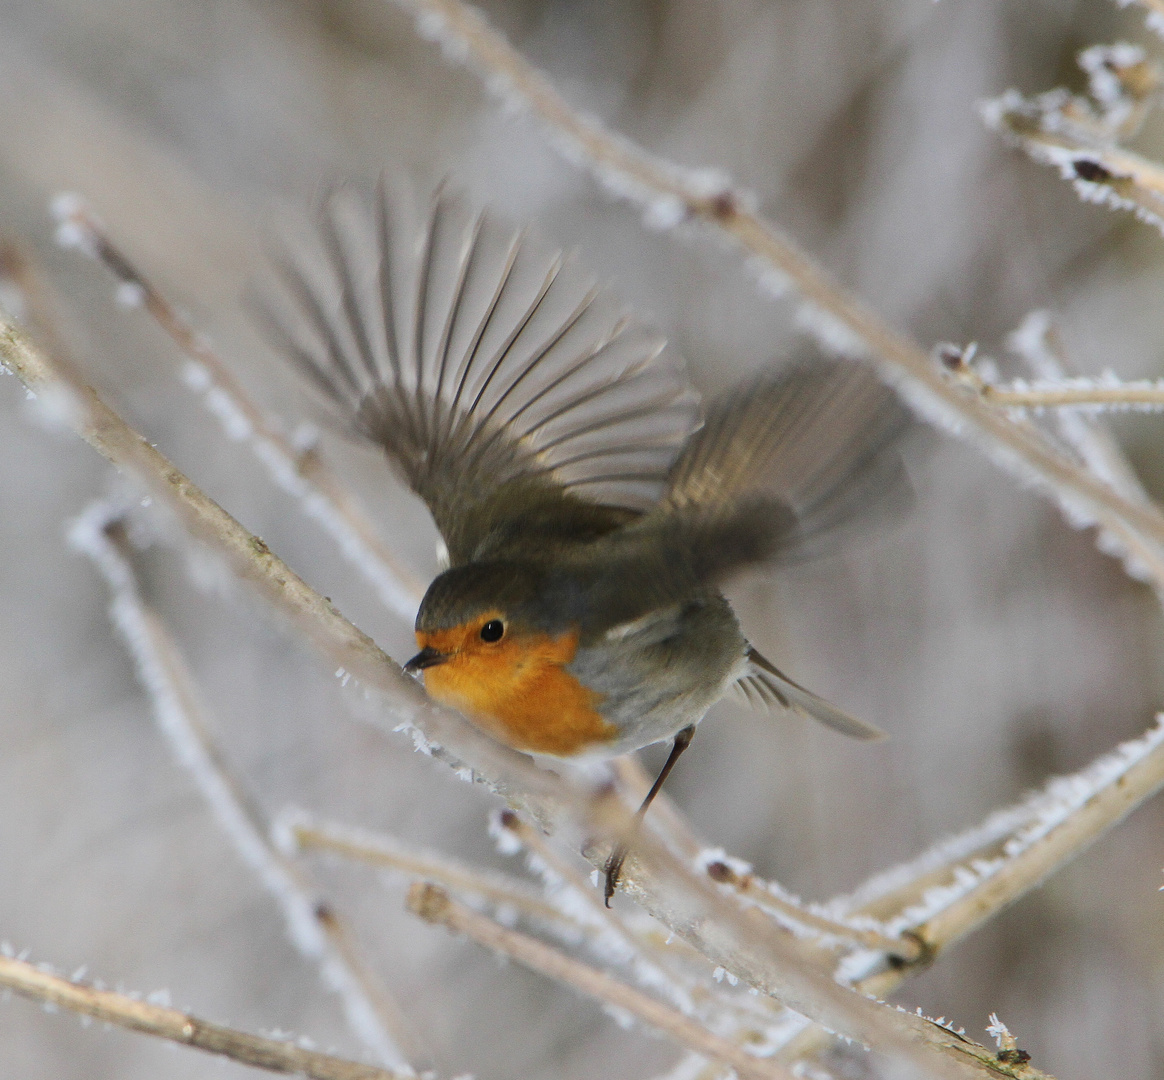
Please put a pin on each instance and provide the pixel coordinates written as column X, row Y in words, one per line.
column 591, row 507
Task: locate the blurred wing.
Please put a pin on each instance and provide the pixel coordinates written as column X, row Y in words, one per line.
column 765, row 685
column 777, row 471
column 820, row 440
column 476, row 360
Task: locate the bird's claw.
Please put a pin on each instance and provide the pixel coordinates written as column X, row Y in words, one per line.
column 613, row 872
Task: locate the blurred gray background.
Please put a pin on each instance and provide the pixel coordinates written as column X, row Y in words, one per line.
column 994, row 643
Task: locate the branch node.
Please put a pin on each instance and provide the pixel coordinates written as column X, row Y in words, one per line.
column 429, row 901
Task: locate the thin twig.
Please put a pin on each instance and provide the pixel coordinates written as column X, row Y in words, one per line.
column 274, row 1055
column 29, row 290
column 313, row 924
column 1145, row 395
column 434, row 905
column 687, row 904
column 1142, row 556
column 300, row 472
column 1038, row 342
column 672, row 196
column 796, row 915
column 308, row 833
column 1103, row 174
column 1050, row 829
column 1079, row 810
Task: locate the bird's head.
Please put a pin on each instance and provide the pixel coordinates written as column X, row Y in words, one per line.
column 475, row 608
column 482, row 626
column 495, row 641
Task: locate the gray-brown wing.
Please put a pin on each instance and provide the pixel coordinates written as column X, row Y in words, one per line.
column 819, row 439
column 777, row 471
column 477, row 359
column 775, row 474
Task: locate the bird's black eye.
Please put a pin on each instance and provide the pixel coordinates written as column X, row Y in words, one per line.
column 493, row 630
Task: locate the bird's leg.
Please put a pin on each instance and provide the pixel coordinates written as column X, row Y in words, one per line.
column 618, row 855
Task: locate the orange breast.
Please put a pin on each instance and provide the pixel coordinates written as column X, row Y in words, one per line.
column 519, row 691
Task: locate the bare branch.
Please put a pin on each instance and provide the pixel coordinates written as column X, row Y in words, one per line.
column 302, row 831
column 312, row 923
column 1107, row 394
column 434, row 905
column 804, row 920
column 1045, row 832
column 301, row 472
column 686, row 903
column 672, row 196
column 1037, row 341
column 272, row 1054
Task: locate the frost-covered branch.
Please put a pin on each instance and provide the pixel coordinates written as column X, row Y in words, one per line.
column 298, row 470
column 672, row 196
column 1070, row 814
column 296, row 830
column 1105, row 394
column 251, row 560
column 566, row 885
column 32, row 981
column 652, row 964
column 434, row 905
column 1108, row 175
column 1038, row 343
column 804, row 919
column 1081, row 135
column 666, row 886
column 1014, row 851
column 313, row 925
column 1142, row 553
column 658, row 962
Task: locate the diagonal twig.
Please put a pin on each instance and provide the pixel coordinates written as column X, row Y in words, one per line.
column 1038, row 342
column 301, row 473
column 434, row 905
column 296, row 830
column 32, row 982
column 1045, row 833
column 672, row 196
column 791, row 912
column 313, row 924
column 688, row 904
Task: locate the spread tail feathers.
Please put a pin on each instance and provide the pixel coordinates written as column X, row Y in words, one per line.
column 764, row 681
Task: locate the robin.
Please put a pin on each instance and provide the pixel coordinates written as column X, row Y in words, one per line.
column 590, row 509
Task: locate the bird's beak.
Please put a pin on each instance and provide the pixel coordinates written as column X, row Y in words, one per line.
column 427, row 657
